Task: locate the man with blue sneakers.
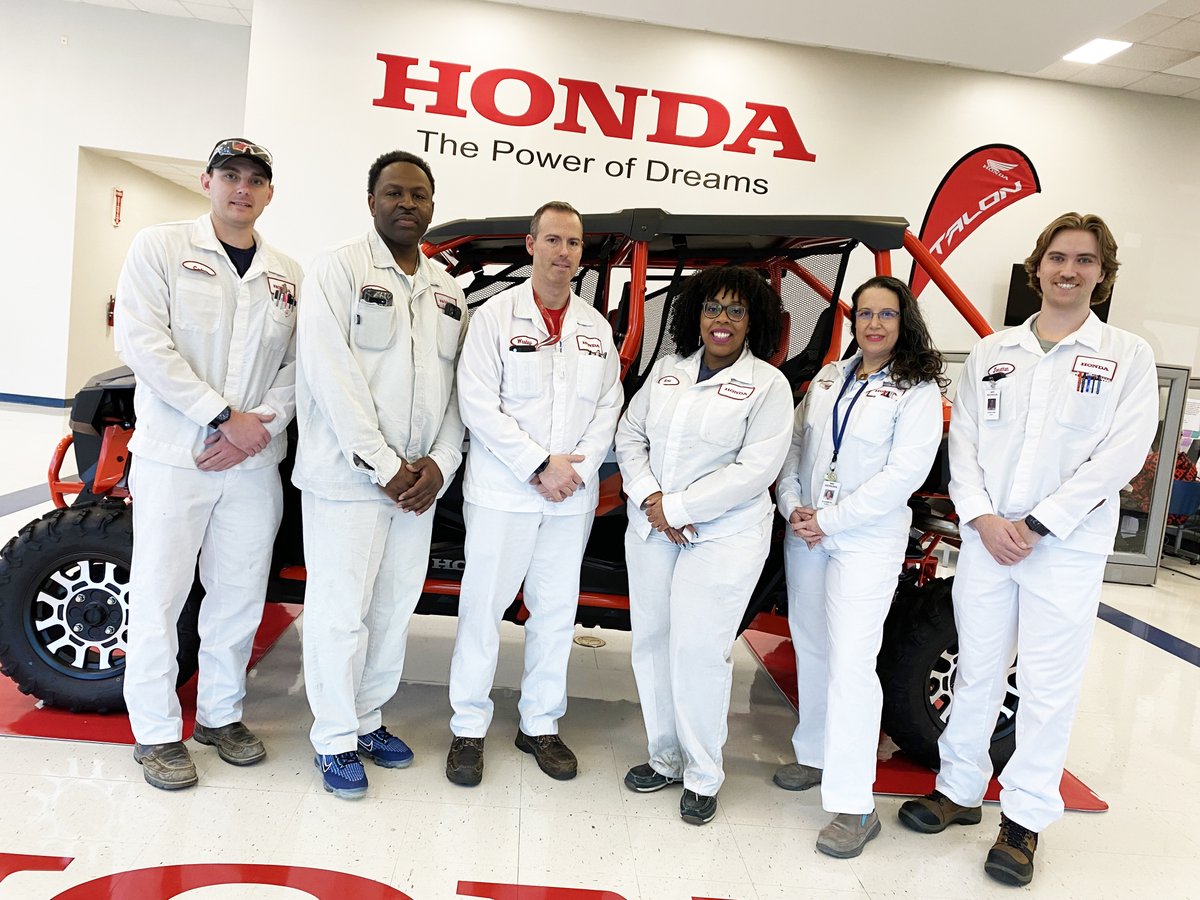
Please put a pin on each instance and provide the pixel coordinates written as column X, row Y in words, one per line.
column 380, row 440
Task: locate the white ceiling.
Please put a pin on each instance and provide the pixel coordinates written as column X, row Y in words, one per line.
column 1022, row 37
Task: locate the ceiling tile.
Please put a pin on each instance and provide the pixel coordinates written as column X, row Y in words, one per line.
column 1148, row 58
column 1191, row 68
column 1180, row 9
column 1171, row 85
column 162, row 7
column 1194, row 95
column 1062, row 70
column 1107, row 76
column 1141, row 28
column 1184, row 35
column 227, row 15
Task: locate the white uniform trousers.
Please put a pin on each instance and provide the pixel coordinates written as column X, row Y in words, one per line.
column 366, row 563
column 685, row 605
column 503, row 548
column 230, row 519
column 1044, row 609
column 838, row 601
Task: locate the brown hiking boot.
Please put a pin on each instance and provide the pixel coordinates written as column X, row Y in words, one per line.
column 552, row 755
column 235, row 743
column 796, row 777
column 935, row 812
column 1010, row 861
column 464, row 762
column 166, row 766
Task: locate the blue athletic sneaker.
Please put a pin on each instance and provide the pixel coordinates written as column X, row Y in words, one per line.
column 343, row 774
column 385, row 749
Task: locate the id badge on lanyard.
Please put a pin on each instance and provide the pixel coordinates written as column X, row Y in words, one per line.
column 831, row 488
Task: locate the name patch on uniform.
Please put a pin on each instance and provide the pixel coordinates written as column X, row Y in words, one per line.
column 1095, row 366
column 669, row 380
column 522, row 340
column 192, row 266
column 283, row 293
column 590, row 345
column 447, row 305
column 824, row 384
column 735, row 391
column 890, row 393
column 1002, row 369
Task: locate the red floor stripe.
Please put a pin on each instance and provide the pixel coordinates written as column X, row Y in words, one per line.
column 21, row 716
column 898, row 775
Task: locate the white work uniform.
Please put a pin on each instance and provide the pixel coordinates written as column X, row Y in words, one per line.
column 840, row 591
column 1073, row 427
column 712, row 448
column 521, row 406
column 375, row 389
column 199, row 338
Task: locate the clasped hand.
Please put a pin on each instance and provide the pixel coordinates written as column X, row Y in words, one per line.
column 803, row 522
column 652, row 506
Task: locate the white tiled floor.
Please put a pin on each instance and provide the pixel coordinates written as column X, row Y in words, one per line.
column 1135, row 744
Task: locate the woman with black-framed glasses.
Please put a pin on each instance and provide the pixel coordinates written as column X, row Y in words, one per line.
column 865, row 438
column 698, row 448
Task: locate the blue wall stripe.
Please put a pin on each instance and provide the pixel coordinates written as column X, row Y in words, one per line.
column 30, row 400
column 1147, row 632
column 22, row 499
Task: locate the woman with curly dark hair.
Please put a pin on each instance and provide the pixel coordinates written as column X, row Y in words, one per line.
column 864, row 440
column 698, row 448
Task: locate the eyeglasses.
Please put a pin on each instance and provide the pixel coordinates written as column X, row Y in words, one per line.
column 234, row 147
column 885, row 315
column 735, row 311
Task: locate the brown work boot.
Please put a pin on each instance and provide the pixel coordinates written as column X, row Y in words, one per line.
column 552, row 755
column 1010, row 861
column 166, row 766
column 935, row 812
column 464, row 762
column 235, row 743
column 797, row 777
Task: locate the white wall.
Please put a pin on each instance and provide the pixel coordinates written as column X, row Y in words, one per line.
column 100, row 249
column 883, row 131
column 125, row 80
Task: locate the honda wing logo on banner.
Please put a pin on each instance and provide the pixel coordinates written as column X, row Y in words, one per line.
column 985, row 181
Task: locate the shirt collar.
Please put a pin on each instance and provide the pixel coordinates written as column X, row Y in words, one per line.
column 1090, row 333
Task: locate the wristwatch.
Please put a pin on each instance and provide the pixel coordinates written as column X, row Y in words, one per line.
column 542, row 468
column 1035, row 526
column 221, row 418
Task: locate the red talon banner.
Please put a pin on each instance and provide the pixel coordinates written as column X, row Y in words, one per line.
column 985, row 181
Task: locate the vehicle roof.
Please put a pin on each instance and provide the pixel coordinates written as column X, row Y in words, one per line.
column 666, row 232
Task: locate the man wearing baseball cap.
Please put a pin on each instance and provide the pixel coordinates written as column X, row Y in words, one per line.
column 206, row 316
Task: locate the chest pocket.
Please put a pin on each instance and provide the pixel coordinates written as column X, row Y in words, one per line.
column 591, row 377
column 522, row 378
column 875, row 419
column 724, row 422
column 198, row 303
column 1086, row 411
column 373, row 326
column 278, row 327
column 448, row 330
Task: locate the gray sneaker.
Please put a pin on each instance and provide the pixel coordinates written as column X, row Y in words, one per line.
column 797, row 777
column 166, row 766
column 235, row 743
column 847, row 834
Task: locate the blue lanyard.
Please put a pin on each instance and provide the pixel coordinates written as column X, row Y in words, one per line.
column 839, row 433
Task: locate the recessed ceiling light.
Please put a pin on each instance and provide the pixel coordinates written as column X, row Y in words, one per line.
column 1096, row 51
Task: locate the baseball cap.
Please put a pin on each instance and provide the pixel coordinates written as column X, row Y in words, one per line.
column 233, row 148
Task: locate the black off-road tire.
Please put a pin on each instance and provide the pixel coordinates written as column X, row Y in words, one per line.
column 64, row 608
column 917, row 666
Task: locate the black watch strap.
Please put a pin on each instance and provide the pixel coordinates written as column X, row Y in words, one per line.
column 221, row 418
column 1035, row 526
column 542, row 468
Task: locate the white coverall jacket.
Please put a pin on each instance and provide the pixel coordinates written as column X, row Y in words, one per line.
column 1074, row 426
column 375, row 389
column 521, row 406
column 199, row 337
column 713, row 448
column 839, row 592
